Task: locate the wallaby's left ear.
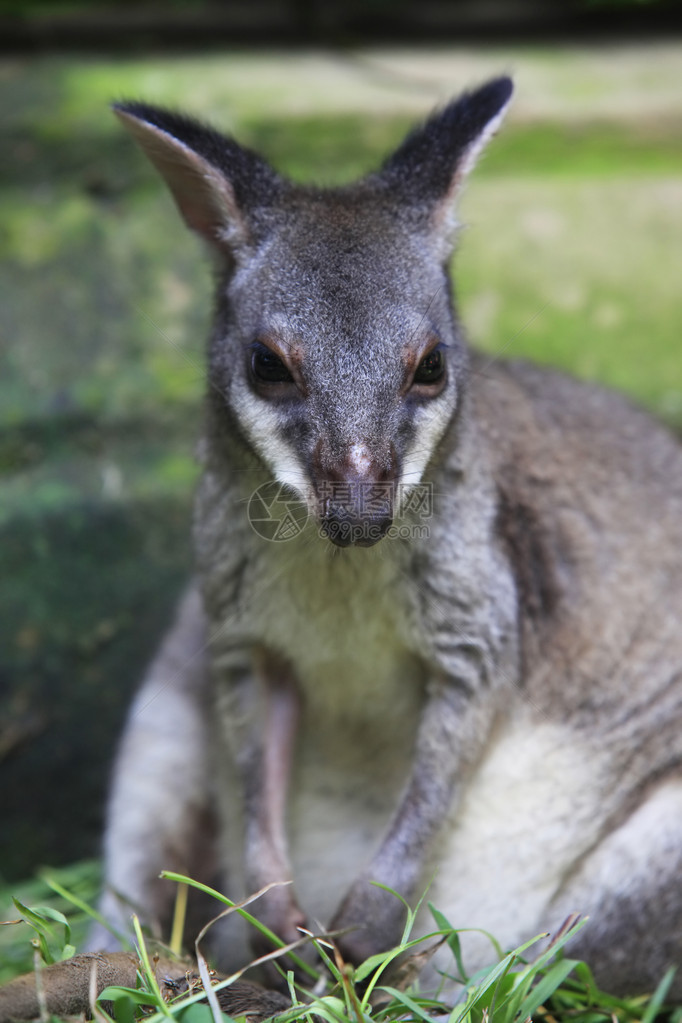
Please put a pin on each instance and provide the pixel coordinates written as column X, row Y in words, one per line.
column 429, row 167
column 218, row 185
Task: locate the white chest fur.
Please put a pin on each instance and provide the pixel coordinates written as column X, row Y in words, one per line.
column 525, row 817
column 340, row 619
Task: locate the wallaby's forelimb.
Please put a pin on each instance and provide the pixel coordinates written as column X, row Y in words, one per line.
column 451, row 728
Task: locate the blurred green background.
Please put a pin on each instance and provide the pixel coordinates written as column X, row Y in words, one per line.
column 570, row 254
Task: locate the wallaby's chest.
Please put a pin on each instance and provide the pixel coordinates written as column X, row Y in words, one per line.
column 342, row 621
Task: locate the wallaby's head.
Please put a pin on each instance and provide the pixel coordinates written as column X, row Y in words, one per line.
column 336, row 351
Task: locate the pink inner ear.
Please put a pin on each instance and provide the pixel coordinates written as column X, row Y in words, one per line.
column 204, row 197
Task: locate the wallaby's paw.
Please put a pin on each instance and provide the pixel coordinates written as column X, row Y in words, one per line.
column 373, row 919
column 279, row 912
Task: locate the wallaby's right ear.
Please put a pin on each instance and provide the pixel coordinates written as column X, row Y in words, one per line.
column 428, row 169
column 216, row 183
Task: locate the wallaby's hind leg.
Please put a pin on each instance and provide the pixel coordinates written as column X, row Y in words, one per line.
column 631, row 888
column 160, row 814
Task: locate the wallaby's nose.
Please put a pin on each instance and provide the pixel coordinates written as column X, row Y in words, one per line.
column 356, row 495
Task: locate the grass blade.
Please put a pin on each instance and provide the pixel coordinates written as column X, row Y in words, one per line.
column 85, row 908
column 409, row 1003
column 657, row 999
column 238, row 907
column 546, row 986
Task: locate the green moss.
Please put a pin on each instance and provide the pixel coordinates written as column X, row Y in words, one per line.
column 83, row 880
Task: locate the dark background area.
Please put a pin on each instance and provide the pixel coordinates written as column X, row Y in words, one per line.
column 33, row 26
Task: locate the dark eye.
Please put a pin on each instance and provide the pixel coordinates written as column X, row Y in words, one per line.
column 430, row 370
column 268, row 368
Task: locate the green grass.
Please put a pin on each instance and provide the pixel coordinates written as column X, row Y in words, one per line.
column 313, row 148
column 589, row 266
column 16, row 951
column 537, row 981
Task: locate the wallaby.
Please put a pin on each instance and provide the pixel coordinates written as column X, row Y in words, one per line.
column 461, row 661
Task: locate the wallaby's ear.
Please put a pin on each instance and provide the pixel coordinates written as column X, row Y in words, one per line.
column 216, row 183
column 429, row 167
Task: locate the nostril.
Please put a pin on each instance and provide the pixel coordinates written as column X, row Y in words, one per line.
column 337, row 530
column 358, row 532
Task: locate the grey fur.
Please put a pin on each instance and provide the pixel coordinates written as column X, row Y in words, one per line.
column 499, row 701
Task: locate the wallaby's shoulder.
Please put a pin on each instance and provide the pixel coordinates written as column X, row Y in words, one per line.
column 589, row 491
column 543, row 425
